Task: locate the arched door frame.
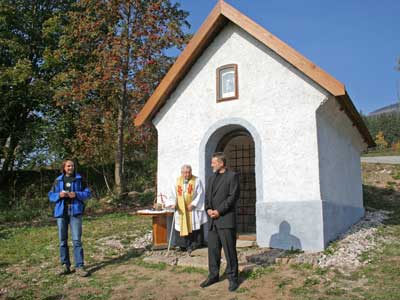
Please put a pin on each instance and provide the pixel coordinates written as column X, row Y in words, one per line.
column 214, row 135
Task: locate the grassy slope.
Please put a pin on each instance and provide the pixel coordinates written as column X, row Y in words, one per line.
column 29, row 256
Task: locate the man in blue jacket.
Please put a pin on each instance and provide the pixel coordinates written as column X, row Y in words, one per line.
column 69, row 195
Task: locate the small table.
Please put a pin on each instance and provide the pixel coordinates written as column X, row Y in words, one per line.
column 160, row 228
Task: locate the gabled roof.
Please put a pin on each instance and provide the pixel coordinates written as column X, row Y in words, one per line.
column 216, row 20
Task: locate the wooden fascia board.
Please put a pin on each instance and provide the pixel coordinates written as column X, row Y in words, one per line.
column 325, row 80
column 210, row 27
column 354, row 116
column 185, row 60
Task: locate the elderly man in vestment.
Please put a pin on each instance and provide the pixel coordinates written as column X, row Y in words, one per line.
column 187, row 198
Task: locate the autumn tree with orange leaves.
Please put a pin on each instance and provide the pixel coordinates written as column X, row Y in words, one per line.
column 114, row 55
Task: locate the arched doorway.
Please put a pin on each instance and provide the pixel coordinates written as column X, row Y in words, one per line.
column 238, row 146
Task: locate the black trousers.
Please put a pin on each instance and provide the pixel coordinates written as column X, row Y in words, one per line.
column 226, row 239
column 194, row 240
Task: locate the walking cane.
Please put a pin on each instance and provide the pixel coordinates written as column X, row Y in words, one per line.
column 172, row 230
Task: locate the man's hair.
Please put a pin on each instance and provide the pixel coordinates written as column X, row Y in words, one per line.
column 186, row 167
column 64, row 163
column 220, row 156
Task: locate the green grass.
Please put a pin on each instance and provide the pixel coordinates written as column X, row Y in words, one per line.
column 282, row 284
column 33, row 245
column 27, row 244
column 292, row 252
column 320, row 271
column 380, row 277
column 302, row 267
column 159, row 266
column 335, row 291
column 258, row 272
column 24, row 209
column 331, row 249
column 29, row 256
column 376, row 280
column 311, row 281
column 242, row 290
column 189, row 270
column 95, row 296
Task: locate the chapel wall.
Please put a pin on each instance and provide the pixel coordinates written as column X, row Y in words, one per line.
column 274, row 97
column 340, row 145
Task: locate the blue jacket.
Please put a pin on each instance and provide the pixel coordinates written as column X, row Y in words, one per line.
column 77, row 203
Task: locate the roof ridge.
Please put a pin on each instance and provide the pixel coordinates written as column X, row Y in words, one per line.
column 215, row 21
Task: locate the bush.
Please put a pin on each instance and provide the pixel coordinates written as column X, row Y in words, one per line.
column 24, row 195
column 26, row 209
column 388, row 124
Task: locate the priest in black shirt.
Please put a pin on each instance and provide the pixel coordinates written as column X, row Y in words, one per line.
column 222, row 193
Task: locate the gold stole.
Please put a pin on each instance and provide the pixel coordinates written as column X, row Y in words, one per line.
column 184, row 200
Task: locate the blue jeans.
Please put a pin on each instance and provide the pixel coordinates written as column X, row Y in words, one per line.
column 76, row 233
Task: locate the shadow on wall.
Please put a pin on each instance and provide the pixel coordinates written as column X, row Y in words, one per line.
column 283, row 239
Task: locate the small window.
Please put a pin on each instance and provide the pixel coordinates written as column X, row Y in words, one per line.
column 227, row 83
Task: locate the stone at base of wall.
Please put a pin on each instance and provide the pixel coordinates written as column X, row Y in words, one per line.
column 306, row 225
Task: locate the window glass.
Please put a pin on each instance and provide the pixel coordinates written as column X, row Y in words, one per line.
column 227, row 82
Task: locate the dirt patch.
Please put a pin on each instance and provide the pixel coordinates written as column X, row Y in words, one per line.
column 144, row 283
column 381, row 175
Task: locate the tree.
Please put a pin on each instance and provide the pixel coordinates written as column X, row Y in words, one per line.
column 25, row 92
column 116, row 55
column 388, row 123
column 396, row 146
column 380, row 140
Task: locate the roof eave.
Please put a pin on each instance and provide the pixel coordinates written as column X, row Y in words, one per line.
column 219, row 16
column 351, row 111
column 208, row 30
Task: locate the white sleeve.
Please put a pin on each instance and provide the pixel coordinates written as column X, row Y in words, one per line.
column 198, row 200
column 171, row 197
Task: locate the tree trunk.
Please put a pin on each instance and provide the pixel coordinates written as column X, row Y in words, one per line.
column 8, row 158
column 119, row 153
column 120, row 184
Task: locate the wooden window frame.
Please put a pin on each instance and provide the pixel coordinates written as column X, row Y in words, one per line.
column 236, row 96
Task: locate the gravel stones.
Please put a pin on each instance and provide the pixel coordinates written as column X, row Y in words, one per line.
column 346, row 253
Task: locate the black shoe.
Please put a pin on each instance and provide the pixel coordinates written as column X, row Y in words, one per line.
column 194, row 246
column 233, row 285
column 63, row 270
column 208, row 282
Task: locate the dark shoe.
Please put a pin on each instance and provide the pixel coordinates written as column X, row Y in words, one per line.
column 82, row 272
column 233, row 285
column 64, row 270
column 194, row 246
column 180, row 249
column 189, row 251
column 208, row 282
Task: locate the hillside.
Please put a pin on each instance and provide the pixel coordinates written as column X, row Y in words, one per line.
column 386, row 109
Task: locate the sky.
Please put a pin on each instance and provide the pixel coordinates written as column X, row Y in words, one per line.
column 356, row 41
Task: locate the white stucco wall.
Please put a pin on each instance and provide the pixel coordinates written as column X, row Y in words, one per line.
column 340, row 145
column 274, row 98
